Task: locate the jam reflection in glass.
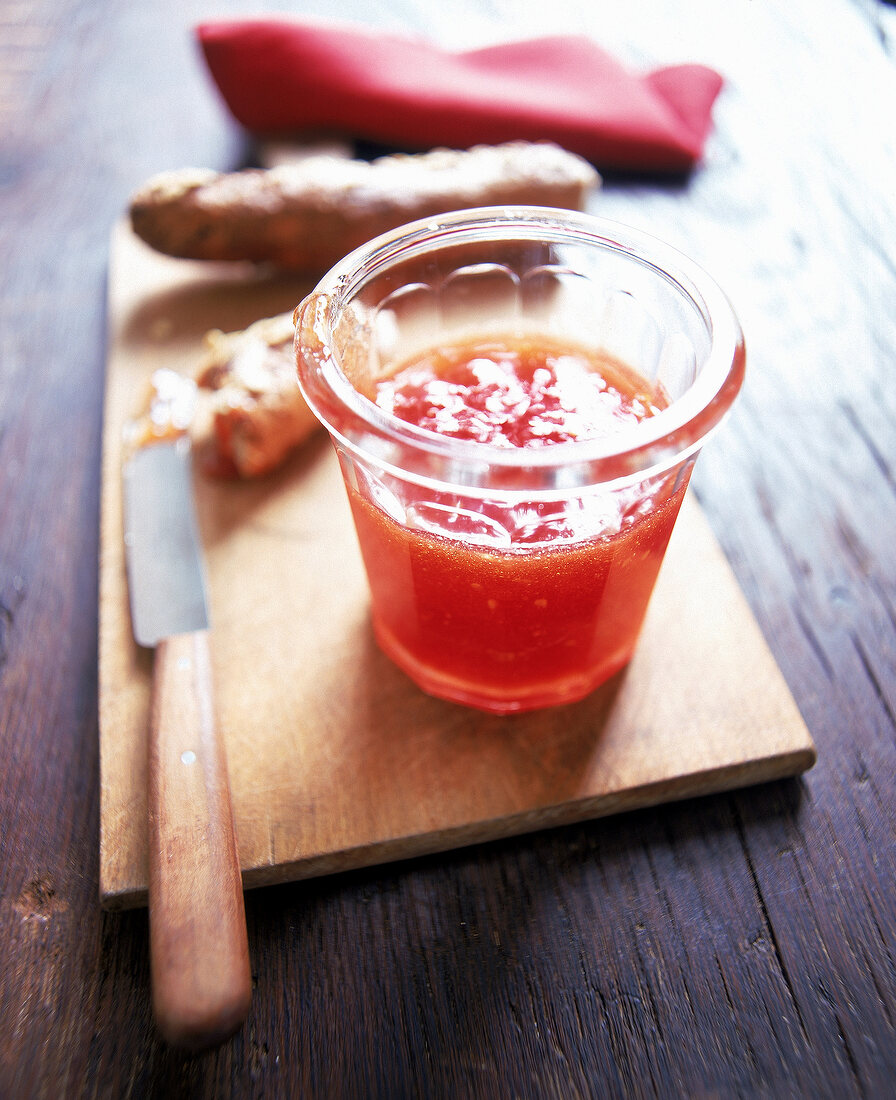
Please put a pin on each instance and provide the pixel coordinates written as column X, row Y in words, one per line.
column 513, row 479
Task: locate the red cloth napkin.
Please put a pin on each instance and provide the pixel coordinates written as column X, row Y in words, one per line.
column 282, row 77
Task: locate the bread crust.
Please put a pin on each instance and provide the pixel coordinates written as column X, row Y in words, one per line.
column 307, row 215
column 256, row 410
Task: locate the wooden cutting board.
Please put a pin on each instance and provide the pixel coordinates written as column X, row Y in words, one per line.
column 336, row 759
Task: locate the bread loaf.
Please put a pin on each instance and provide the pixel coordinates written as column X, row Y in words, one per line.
column 304, row 216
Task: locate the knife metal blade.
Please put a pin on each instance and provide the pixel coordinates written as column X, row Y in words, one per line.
column 166, row 579
column 201, row 979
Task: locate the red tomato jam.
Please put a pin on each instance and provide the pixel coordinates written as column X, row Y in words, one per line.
column 525, row 394
column 512, row 609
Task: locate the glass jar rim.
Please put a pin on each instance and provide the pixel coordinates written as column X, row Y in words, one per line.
column 656, row 442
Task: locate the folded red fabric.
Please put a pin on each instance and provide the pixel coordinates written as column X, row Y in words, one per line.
column 288, row 77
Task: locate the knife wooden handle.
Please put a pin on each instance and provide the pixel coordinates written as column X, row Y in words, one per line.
column 201, row 980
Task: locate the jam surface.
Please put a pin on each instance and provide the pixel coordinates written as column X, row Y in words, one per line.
column 524, row 393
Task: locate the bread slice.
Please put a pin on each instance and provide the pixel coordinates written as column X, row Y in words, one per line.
column 255, row 410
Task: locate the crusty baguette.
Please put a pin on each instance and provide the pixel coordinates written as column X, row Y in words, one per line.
column 307, row 215
column 258, row 415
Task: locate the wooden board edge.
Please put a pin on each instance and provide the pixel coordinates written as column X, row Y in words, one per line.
column 699, row 785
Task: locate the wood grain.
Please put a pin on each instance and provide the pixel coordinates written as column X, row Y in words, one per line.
column 336, row 759
column 201, row 980
column 736, row 945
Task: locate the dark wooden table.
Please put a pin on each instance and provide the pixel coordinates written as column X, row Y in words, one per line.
column 735, row 945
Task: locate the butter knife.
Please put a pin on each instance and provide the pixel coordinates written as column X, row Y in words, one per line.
column 199, row 957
